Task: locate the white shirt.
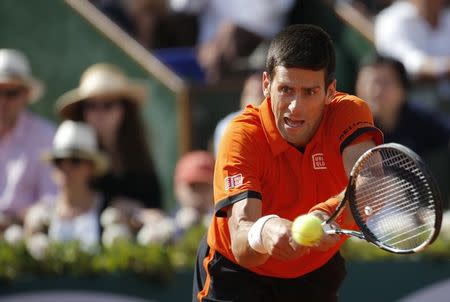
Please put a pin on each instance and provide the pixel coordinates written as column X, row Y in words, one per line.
column 263, row 17
column 24, row 177
column 400, row 32
column 84, row 228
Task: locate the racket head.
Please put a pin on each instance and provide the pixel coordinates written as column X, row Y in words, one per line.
column 394, row 199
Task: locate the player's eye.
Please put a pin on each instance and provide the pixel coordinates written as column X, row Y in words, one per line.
column 310, row 91
column 286, row 90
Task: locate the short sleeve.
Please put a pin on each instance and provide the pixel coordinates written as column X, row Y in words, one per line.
column 237, row 169
column 351, row 119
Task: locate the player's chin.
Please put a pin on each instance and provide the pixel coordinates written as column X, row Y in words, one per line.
column 294, row 138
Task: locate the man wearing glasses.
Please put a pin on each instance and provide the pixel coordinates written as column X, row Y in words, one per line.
column 24, row 179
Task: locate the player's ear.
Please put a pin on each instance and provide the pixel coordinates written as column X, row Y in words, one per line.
column 331, row 90
column 266, row 84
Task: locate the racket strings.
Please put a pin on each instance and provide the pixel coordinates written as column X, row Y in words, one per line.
column 405, row 212
column 409, row 227
column 394, row 199
column 377, row 177
column 378, row 200
column 417, row 236
column 404, row 229
column 373, row 194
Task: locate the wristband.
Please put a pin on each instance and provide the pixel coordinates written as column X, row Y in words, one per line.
column 255, row 234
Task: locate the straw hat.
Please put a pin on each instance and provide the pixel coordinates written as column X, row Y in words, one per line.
column 77, row 139
column 101, row 79
column 15, row 70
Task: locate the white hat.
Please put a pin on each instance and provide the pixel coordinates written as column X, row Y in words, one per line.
column 77, row 139
column 15, row 69
column 101, row 79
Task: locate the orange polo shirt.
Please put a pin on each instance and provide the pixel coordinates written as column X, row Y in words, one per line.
column 254, row 161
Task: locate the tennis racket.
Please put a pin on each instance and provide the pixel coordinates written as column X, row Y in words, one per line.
column 393, row 199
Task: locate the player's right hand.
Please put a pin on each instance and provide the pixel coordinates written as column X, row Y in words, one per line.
column 278, row 241
column 327, row 241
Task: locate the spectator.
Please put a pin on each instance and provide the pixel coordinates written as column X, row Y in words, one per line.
column 24, row 179
column 384, row 84
column 194, row 175
column 76, row 159
column 252, row 94
column 194, row 194
column 154, row 26
column 232, row 29
column 151, row 23
column 115, row 11
column 370, row 7
column 110, row 102
column 417, row 33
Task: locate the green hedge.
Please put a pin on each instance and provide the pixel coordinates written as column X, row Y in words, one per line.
column 159, row 262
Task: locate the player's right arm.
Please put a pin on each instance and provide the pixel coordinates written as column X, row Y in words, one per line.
column 276, row 235
column 241, row 217
column 238, row 194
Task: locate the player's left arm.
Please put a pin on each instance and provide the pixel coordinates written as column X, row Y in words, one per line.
column 349, row 158
column 325, row 209
column 352, row 132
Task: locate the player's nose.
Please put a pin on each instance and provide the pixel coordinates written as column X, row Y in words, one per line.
column 295, row 106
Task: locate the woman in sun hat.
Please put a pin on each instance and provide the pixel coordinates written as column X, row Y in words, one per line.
column 76, row 160
column 110, row 102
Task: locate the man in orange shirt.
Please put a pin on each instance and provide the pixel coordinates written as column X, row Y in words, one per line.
column 290, row 156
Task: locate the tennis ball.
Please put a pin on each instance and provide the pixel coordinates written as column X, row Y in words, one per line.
column 307, row 230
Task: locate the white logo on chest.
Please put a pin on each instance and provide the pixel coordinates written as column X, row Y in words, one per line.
column 318, row 161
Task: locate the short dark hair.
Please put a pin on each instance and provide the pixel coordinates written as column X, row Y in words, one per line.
column 303, row 46
column 377, row 59
column 131, row 138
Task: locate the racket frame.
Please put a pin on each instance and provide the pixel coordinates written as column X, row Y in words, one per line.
column 365, row 233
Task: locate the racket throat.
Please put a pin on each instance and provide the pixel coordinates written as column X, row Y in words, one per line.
column 334, row 229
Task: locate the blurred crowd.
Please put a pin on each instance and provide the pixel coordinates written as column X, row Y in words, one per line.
column 92, row 178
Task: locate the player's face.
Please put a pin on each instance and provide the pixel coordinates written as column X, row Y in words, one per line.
column 298, row 100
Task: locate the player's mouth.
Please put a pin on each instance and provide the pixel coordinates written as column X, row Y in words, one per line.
column 294, row 124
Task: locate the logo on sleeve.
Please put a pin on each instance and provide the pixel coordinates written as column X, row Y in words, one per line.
column 233, row 181
column 318, row 161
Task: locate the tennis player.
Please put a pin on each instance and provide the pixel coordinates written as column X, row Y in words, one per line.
column 289, row 156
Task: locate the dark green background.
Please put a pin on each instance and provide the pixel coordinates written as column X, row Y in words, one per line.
column 368, row 282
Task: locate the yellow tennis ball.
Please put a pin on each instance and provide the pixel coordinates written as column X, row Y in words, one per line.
column 307, row 230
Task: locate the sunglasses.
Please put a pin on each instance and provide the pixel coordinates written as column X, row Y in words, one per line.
column 102, row 106
column 74, row 161
column 11, row 93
